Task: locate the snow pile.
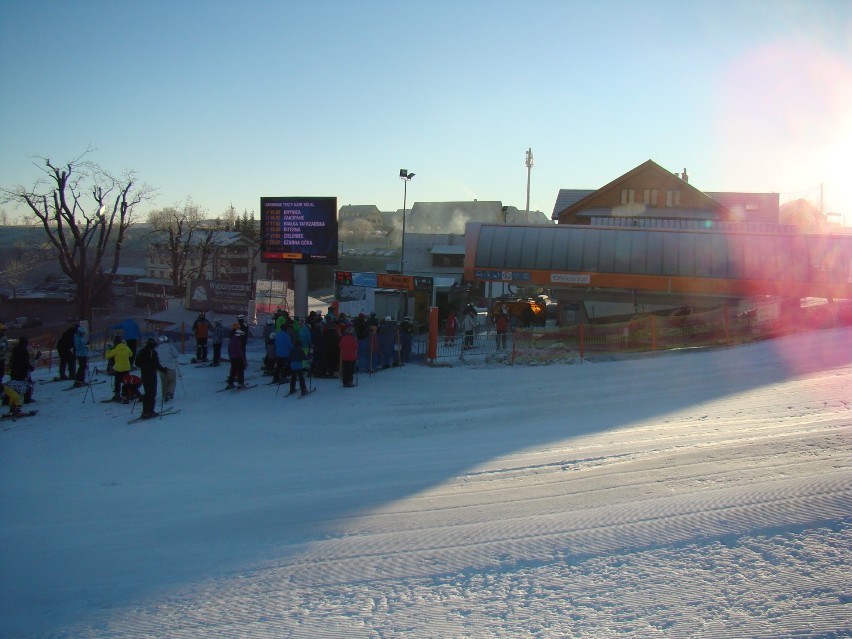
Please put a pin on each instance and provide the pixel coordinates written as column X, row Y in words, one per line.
column 695, row 494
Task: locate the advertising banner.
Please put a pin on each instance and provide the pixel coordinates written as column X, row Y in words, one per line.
column 219, row 296
column 270, row 295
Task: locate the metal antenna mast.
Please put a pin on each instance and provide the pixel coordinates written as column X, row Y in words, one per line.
column 529, row 164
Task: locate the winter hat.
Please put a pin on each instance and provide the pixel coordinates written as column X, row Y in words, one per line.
column 241, row 316
column 388, row 318
column 239, row 333
column 150, row 341
column 163, row 339
column 116, row 339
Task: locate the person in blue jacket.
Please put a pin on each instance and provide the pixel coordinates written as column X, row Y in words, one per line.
column 283, row 347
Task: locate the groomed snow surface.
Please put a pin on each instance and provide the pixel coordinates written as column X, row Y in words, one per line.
column 700, row 494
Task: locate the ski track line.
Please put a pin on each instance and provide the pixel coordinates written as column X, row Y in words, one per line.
column 777, row 589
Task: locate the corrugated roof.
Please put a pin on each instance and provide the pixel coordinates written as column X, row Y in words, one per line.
column 641, row 251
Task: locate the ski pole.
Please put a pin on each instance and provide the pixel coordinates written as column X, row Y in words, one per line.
column 180, row 377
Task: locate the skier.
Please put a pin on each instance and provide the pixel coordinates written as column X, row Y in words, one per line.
column 330, row 348
column 168, row 356
column 130, row 384
column 121, row 357
column 4, row 348
column 201, row 328
column 388, row 341
column 301, row 329
column 452, row 325
column 283, row 346
column 297, row 367
column 149, row 363
column 362, row 334
column 468, row 325
column 65, row 350
column 20, row 383
column 282, row 317
column 241, row 320
column 269, row 356
column 218, row 336
column 406, row 334
column 348, row 356
column 81, row 350
column 501, row 325
column 238, row 363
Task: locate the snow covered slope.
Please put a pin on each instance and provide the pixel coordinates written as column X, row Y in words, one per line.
column 703, row 494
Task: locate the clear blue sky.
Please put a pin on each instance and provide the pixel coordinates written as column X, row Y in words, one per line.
column 226, row 102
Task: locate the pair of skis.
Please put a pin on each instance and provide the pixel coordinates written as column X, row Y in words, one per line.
column 163, row 413
column 237, row 388
column 12, row 416
column 85, row 385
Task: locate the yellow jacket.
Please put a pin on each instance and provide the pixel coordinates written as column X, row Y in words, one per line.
column 121, row 355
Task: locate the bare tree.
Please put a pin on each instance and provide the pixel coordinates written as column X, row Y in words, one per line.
column 85, row 213
column 13, row 273
column 358, row 229
column 184, row 241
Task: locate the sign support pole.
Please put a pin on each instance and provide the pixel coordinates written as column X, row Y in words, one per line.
column 300, row 289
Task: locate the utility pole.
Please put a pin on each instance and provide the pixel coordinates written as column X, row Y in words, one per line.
column 529, row 164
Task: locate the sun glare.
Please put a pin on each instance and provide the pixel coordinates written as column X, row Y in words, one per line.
column 785, row 124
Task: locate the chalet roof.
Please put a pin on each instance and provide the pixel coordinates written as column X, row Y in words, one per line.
column 568, row 197
column 648, row 164
column 359, row 209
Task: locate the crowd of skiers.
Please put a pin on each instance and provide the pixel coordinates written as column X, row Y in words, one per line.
column 324, row 346
column 333, row 346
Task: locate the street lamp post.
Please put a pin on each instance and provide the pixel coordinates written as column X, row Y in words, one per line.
column 405, row 176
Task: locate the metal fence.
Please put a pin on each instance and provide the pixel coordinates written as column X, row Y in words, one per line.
column 646, row 333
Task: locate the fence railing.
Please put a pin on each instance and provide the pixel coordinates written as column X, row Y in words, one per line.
column 646, row 333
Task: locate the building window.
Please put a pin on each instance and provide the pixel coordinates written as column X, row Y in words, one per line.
column 628, row 196
column 650, row 197
column 448, row 261
column 673, row 197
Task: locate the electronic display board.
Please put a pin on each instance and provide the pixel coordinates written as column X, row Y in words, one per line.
column 298, row 229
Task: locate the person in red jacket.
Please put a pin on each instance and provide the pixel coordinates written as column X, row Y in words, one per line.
column 348, row 356
column 501, row 324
